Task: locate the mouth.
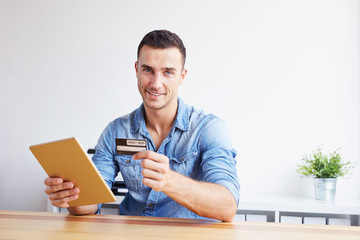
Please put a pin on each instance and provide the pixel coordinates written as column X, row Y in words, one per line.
column 155, row 93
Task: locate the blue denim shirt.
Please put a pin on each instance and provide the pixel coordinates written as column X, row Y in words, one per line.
column 198, row 146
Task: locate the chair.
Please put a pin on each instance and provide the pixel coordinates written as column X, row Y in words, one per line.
column 119, row 188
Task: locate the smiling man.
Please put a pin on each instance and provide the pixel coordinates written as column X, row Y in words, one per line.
column 189, row 169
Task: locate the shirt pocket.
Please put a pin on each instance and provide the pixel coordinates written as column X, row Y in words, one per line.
column 186, row 164
column 131, row 171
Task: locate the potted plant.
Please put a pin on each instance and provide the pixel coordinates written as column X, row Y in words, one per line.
column 325, row 169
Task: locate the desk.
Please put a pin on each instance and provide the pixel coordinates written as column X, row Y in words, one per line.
column 40, row 225
column 276, row 208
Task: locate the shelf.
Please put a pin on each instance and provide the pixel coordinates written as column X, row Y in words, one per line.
column 302, row 205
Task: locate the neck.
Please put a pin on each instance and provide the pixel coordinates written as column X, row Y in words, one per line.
column 160, row 121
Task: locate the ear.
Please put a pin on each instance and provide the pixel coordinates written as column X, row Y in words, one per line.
column 183, row 75
column 136, row 68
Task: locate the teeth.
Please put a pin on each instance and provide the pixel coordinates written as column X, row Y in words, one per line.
column 155, row 94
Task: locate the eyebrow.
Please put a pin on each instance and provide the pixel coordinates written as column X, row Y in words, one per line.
column 166, row 68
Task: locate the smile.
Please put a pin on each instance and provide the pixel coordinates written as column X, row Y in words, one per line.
column 155, row 94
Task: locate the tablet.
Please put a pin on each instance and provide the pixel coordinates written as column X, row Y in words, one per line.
column 68, row 160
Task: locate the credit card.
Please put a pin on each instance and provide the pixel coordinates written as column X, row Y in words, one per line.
column 126, row 146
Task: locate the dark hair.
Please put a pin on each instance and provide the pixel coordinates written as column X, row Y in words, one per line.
column 163, row 39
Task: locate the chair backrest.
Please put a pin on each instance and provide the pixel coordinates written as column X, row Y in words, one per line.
column 119, row 188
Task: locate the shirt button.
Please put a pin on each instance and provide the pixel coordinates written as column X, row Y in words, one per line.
column 128, row 161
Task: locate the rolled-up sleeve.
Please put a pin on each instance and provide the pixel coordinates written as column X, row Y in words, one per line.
column 219, row 157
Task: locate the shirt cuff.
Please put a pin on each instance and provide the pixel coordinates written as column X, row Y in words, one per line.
column 99, row 209
column 233, row 190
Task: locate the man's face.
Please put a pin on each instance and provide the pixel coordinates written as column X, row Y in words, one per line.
column 159, row 73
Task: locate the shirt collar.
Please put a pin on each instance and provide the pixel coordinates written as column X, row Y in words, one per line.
column 182, row 121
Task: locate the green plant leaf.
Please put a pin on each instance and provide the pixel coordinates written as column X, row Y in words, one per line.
column 320, row 165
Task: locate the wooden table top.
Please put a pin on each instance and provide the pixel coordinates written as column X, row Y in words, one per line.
column 43, row 225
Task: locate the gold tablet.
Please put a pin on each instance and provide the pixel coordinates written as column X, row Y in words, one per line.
column 68, row 160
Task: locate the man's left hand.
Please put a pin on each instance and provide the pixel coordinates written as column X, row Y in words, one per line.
column 155, row 170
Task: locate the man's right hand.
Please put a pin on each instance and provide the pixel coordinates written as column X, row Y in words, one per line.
column 61, row 193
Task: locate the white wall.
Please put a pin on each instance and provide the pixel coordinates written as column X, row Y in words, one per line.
column 283, row 74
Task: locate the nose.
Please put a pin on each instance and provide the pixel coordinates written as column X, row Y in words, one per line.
column 156, row 81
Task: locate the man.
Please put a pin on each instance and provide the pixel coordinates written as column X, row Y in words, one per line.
column 189, row 170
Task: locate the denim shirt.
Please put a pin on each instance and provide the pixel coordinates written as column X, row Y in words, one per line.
column 198, row 146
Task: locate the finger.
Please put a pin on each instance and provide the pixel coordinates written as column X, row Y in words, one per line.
column 156, row 185
column 152, row 175
column 64, row 194
column 155, row 166
column 59, row 187
column 140, row 155
column 64, row 202
column 150, row 155
column 53, row 181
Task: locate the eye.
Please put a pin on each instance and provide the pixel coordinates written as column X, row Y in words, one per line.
column 147, row 70
column 169, row 73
